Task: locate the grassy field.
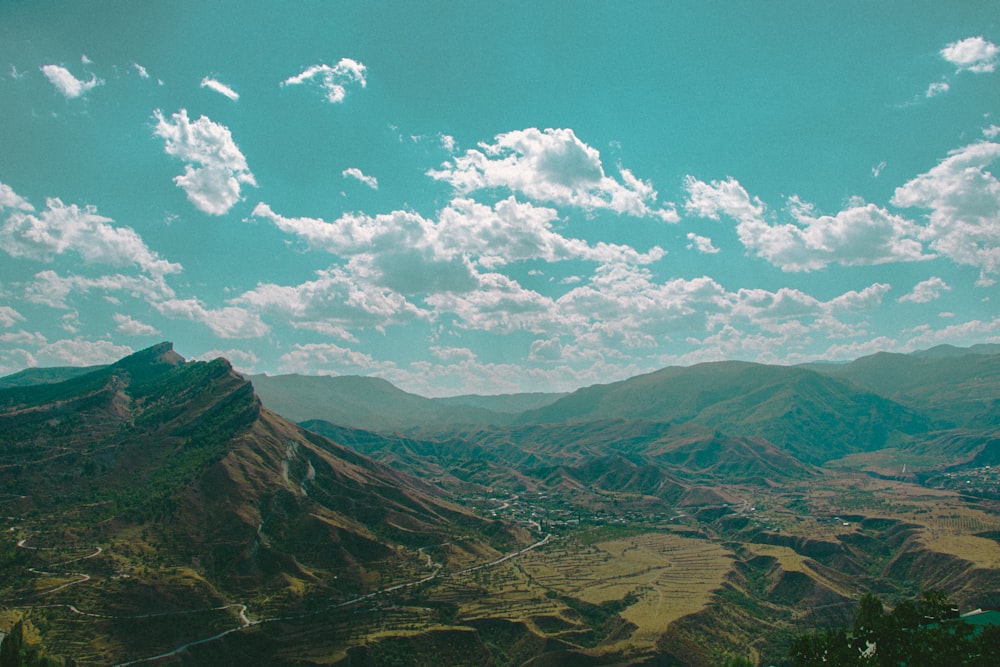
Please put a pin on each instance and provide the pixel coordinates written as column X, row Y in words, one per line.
column 650, row 579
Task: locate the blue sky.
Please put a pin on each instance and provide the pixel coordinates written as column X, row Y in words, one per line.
column 496, row 197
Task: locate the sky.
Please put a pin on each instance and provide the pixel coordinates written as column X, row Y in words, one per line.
column 478, row 197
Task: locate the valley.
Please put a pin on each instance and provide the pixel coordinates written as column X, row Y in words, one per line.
column 157, row 512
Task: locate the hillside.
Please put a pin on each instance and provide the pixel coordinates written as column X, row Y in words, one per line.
column 523, row 457
column 197, row 496
column 960, row 387
column 33, row 376
column 364, row 402
column 814, row 417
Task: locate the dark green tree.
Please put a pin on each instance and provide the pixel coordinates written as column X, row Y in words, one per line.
column 12, row 647
column 921, row 633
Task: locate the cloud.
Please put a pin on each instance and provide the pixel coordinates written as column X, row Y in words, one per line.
column 853, row 300
column 973, row 54
column 219, row 87
column 333, row 79
column 708, row 200
column 227, row 322
column 81, row 352
column 702, row 244
column 357, row 174
column 963, row 198
column 554, row 166
column 143, row 73
column 10, row 199
column 413, row 255
column 66, row 83
column 16, row 359
column 213, row 186
column 498, row 305
column 546, row 350
column 925, row 291
column 863, row 234
column 23, row 337
column 130, row 327
column 937, row 88
column 332, row 303
column 624, row 306
column 455, row 354
column 9, row 316
column 992, row 132
column 329, row 359
column 61, row 228
column 51, row 289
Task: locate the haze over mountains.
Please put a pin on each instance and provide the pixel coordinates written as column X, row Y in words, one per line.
column 815, row 412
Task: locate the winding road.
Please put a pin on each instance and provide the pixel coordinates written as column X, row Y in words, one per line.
column 245, row 621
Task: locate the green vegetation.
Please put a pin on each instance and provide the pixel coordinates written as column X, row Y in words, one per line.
column 16, row 652
column 915, row 633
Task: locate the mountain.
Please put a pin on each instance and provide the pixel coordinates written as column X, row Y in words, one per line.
column 813, row 416
column 33, row 376
column 364, row 402
column 198, row 496
column 612, row 456
column 957, row 386
column 503, row 403
column 155, row 509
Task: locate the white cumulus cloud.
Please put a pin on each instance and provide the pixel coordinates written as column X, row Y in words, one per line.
column 216, row 168
column 51, row 289
column 413, row 255
column 131, row 327
column 974, row 54
column 963, row 199
column 61, row 228
column 333, row 303
column 334, row 79
column 702, row 244
column 9, row 316
column 554, row 166
column 862, row 234
column 926, row 291
column 226, row 322
column 81, row 352
column 937, row 88
column 66, row 83
column 330, row 359
column 361, row 177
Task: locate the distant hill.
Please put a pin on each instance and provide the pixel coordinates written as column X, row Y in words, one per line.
column 957, row 386
column 813, row 416
column 363, row 402
column 503, row 403
column 33, row 376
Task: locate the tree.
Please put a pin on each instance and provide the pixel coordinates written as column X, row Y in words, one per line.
column 921, row 633
column 14, row 652
column 12, row 646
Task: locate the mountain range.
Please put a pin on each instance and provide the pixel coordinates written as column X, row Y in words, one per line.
column 181, row 489
column 815, row 413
